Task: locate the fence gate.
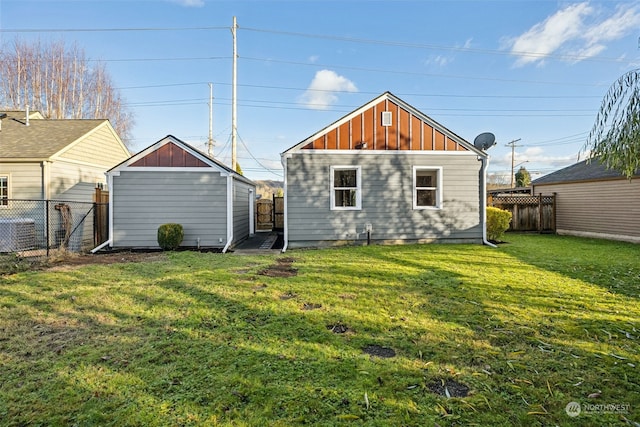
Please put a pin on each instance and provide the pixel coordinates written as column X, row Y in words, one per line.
column 278, row 213
column 101, row 216
column 529, row 213
column 264, row 214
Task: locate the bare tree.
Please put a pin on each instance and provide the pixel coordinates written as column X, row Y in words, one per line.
column 60, row 82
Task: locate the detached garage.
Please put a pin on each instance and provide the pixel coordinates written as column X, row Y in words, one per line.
column 172, row 182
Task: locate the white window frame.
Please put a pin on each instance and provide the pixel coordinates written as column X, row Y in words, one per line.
column 437, row 188
column 358, row 188
column 8, row 178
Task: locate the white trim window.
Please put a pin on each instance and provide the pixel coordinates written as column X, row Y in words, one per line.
column 4, row 191
column 346, row 188
column 427, row 187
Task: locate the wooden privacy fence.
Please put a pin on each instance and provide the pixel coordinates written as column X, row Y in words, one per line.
column 529, row 213
column 264, row 214
column 101, row 218
column 270, row 214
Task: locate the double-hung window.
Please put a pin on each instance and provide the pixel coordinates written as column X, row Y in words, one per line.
column 427, row 187
column 346, row 188
column 4, row 191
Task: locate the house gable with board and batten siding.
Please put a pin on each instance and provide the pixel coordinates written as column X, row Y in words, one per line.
column 172, row 182
column 385, row 173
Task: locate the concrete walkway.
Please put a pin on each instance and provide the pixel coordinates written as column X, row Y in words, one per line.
column 263, row 242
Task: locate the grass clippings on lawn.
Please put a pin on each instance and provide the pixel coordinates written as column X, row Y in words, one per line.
column 481, row 336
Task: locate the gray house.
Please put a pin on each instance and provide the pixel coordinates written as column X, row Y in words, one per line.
column 593, row 201
column 385, row 173
column 172, row 182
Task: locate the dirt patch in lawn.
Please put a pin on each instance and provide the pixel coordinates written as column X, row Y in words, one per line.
column 282, row 268
column 338, row 328
column 449, row 388
column 69, row 260
column 379, row 351
column 288, row 295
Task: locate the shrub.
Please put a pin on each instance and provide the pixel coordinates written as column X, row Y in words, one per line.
column 498, row 221
column 170, row 236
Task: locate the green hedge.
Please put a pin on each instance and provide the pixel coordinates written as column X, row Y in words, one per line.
column 170, row 236
column 498, row 221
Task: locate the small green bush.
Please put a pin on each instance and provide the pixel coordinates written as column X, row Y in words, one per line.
column 498, row 221
column 170, row 236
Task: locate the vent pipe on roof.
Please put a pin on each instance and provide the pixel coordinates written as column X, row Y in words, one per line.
column 26, row 122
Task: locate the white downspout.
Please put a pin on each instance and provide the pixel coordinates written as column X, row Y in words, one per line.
column 483, row 201
column 109, row 240
column 286, row 215
column 229, row 213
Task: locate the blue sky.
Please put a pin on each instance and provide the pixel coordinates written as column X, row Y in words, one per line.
column 532, row 71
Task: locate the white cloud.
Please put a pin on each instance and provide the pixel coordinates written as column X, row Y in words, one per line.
column 321, row 93
column 189, row 3
column 314, row 58
column 439, row 60
column 578, row 31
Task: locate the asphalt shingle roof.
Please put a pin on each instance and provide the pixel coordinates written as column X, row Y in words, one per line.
column 42, row 138
column 583, row 171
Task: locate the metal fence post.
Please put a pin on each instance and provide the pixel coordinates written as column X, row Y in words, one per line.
column 46, row 219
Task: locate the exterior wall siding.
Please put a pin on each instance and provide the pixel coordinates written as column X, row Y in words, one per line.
column 607, row 209
column 74, row 182
column 241, row 211
column 387, row 199
column 25, row 180
column 99, row 148
column 142, row 201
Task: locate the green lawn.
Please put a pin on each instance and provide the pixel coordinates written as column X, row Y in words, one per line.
column 208, row 339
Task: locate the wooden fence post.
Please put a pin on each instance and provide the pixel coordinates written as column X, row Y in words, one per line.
column 540, row 213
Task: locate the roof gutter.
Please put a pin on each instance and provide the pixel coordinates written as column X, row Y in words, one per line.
column 283, row 160
column 483, row 199
column 229, row 213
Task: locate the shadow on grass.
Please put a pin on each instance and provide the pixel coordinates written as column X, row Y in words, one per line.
column 197, row 344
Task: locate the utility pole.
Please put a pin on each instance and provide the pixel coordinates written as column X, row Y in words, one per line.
column 210, row 145
column 513, row 146
column 234, row 89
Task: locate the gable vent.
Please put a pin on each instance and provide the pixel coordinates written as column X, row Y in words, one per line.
column 386, row 118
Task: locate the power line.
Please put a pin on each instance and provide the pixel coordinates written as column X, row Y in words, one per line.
column 390, row 43
column 106, row 30
column 438, row 47
column 258, row 161
column 432, row 95
column 415, row 73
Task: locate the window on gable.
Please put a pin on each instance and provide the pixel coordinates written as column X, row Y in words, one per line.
column 346, row 188
column 4, row 190
column 427, row 187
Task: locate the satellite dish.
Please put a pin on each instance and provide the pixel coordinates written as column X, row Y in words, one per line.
column 484, row 141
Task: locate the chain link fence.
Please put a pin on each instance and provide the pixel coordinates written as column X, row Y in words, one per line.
column 34, row 228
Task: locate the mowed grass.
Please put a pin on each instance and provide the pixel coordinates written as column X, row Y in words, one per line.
column 206, row 339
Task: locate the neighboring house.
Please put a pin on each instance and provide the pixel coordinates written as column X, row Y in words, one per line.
column 47, row 168
column 172, row 182
column 55, row 159
column 594, row 201
column 386, row 173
